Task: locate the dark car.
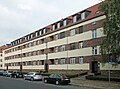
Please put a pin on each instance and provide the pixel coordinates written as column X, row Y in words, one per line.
column 2, row 72
column 57, row 79
column 16, row 74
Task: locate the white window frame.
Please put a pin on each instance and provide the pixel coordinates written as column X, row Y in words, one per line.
column 81, row 60
column 75, row 19
column 94, row 50
column 63, row 48
column 56, row 62
column 58, row 25
column 53, row 27
column 56, row 37
column 83, row 16
column 62, row 61
column 72, row 60
column 94, row 33
column 72, row 32
column 81, row 44
column 56, row 49
column 64, row 23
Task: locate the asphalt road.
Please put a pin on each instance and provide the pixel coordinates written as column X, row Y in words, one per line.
column 12, row 83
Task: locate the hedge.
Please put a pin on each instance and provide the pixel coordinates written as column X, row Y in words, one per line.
column 104, row 78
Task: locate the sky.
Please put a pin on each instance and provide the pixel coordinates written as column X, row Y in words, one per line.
column 21, row 17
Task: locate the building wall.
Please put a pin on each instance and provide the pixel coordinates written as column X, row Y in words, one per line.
column 34, row 54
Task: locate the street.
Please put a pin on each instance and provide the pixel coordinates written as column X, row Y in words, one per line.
column 12, row 83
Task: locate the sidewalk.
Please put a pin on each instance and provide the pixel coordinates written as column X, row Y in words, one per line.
column 94, row 84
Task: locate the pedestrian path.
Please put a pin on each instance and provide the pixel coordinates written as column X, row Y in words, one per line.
column 94, row 84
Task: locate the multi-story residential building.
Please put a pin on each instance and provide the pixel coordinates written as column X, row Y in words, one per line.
column 71, row 44
column 2, row 57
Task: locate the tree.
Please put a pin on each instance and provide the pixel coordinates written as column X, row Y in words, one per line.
column 110, row 47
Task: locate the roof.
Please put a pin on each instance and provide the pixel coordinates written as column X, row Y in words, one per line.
column 2, row 48
column 92, row 14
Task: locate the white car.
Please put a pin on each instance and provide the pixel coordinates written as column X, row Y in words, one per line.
column 33, row 76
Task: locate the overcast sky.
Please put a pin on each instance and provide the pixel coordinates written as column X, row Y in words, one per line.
column 21, row 17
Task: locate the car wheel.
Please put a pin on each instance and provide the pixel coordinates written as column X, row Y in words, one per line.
column 15, row 76
column 10, row 76
column 32, row 79
column 24, row 78
column 57, row 83
column 45, row 81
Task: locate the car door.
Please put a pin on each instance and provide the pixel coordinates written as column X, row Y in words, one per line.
column 29, row 75
column 51, row 78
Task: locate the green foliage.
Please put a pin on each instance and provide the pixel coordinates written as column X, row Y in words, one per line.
column 110, row 48
column 103, row 78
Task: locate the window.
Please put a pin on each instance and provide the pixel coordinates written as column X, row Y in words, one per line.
column 56, row 49
column 40, row 32
column 94, row 50
column 44, row 30
column 62, row 48
column 62, row 35
column 74, row 19
column 42, row 62
column 52, row 61
column 38, row 52
column 42, row 51
column 52, row 50
column 34, row 43
column 38, row 62
column 56, row 37
column 37, row 34
column 53, row 27
column 56, row 61
column 65, row 23
column 52, row 38
column 81, row 44
column 82, row 15
column 98, row 11
column 34, row 53
column 72, row 32
column 93, row 23
column 72, row 60
column 42, row 40
column 94, row 33
column 72, row 46
column 81, row 29
column 81, row 60
column 34, row 62
column 58, row 25
column 62, row 61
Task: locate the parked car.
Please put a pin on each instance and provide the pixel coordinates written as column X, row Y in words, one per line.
column 33, row 76
column 1, row 72
column 7, row 73
column 16, row 74
column 57, row 79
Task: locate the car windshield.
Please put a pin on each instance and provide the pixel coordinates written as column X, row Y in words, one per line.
column 63, row 76
column 10, row 71
column 37, row 73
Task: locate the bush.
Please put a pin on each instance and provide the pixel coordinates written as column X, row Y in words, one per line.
column 104, row 78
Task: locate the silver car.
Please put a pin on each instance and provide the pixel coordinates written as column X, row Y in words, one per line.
column 7, row 73
column 33, row 76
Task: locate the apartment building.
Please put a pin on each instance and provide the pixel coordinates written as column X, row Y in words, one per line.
column 70, row 44
column 2, row 56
